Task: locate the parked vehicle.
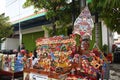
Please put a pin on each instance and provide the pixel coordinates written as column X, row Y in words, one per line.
column 117, row 55
column 118, row 45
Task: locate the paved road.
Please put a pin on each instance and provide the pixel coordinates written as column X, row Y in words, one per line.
column 114, row 72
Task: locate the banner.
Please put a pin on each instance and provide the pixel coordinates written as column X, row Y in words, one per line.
column 34, row 76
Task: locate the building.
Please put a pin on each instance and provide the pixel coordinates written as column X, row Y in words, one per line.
column 27, row 24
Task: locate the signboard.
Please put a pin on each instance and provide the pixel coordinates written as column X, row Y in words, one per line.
column 34, row 76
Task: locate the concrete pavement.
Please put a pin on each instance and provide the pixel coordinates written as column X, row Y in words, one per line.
column 114, row 72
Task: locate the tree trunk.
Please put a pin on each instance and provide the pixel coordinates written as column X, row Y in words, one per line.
column 54, row 29
column 73, row 12
column 97, row 34
column 97, row 30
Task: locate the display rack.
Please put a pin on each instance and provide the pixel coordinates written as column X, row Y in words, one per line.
column 9, row 65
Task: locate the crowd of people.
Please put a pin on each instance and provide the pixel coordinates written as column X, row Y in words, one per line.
column 25, row 55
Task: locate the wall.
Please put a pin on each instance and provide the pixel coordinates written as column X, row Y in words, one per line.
column 104, row 34
column 107, row 36
column 10, row 43
column 30, row 38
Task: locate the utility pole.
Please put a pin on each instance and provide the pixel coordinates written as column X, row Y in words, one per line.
column 20, row 33
column 82, row 4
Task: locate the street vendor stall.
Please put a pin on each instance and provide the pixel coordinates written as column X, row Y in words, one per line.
column 10, row 65
column 61, row 58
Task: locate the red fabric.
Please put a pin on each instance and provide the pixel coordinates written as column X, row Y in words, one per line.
column 23, row 51
column 110, row 57
column 97, row 53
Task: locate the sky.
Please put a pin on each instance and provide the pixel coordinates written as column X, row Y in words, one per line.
column 14, row 6
column 2, row 6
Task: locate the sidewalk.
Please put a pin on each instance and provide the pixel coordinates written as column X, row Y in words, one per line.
column 114, row 71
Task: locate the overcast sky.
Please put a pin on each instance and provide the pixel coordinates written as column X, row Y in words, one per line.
column 2, row 6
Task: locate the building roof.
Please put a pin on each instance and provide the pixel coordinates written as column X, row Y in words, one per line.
column 31, row 21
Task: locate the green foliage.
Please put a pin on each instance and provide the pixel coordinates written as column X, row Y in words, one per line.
column 29, row 40
column 109, row 11
column 45, row 28
column 100, row 35
column 5, row 28
column 89, row 1
column 105, row 48
column 92, row 42
column 62, row 31
column 77, row 39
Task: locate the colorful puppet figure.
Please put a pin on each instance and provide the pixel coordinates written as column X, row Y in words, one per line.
column 84, row 24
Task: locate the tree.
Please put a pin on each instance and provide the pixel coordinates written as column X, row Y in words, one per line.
column 108, row 11
column 59, row 12
column 112, row 17
column 5, row 28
